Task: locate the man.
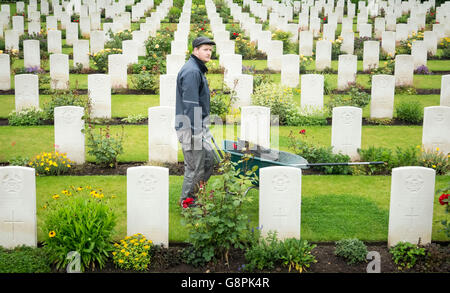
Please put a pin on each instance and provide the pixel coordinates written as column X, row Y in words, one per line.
column 192, row 116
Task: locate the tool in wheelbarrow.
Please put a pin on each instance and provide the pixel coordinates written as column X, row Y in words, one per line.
column 264, row 157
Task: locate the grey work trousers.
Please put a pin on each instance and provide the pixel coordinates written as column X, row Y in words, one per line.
column 198, row 166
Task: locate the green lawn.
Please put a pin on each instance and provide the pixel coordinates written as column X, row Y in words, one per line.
column 333, row 207
column 31, row 140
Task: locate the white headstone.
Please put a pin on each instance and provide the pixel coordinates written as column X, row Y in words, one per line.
column 371, row 55
column 312, row 91
column 5, row 73
column 348, row 42
column 290, row 70
column 430, row 40
column 99, row 89
column 59, row 71
column 130, row 51
column 255, row 125
column 26, row 91
column 71, row 33
column 11, row 40
column 306, row 43
column 148, row 203
column 97, row 41
column 404, row 70
column 117, row 69
column 81, row 53
column 419, row 53
column 346, row 131
column 382, row 99
column 280, row 201
column 31, row 53
column 69, row 137
column 243, row 90
column 233, row 67
column 162, row 138
column 388, row 42
column 411, row 205
column 174, row 63
column 18, row 24
column 18, row 223
column 54, row 44
column 323, row 55
column 274, row 53
column 436, row 129
column 346, row 70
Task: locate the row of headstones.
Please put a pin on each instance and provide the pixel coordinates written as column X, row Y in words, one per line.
column 255, row 127
column 410, row 213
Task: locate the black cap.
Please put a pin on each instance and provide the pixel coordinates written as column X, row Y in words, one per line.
column 202, row 41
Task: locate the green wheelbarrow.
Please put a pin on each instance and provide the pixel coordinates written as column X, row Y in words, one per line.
column 271, row 157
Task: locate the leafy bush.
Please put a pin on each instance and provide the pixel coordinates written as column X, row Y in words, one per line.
column 24, row 259
column 410, row 112
column 306, row 117
column 79, row 219
column 101, row 58
column 265, row 253
column 133, row 252
column 134, row 118
column 247, row 49
column 65, row 98
column 444, row 200
column 145, row 80
column 51, row 163
column 103, row 146
column 220, row 103
column 318, row 154
column 215, row 223
column 436, row 259
column 352, row 250
column 26, row 117
column 373, row 154
column 405, row 254
column 160, row 45
column 116, row 39
column 435, row 159
column 174, row 14
column 357, row 98
column 277, row 97
column 284, row 36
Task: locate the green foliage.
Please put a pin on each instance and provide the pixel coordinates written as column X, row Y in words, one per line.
column 132, row 253
column 336, row 49
column 26, row 117
column 103, row 146
column 51, row 163
column 373, row 154
column 220, row 103
column 359, row 47
column 19, row 161
column 247, row 49
column 444, row 200
column 23, row 259
column 134, row 118
column 145, row 80
column 357, row 97
column 437, row 259
column 306, row 117
column 216, row 222
column 65, row 98
column 284, row 36
column 352, row 250
column 405, row 254
column 41, row 37
column 318, row 154
column 101, row 58
column 277, row 97
column 410, row 112
column 265, row 253
column 435, row 159
column 116, row 39
column 79, row 220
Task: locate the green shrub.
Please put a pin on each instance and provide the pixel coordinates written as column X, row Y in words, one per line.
column 132, row 253
column 26, row 117
column 284, row 36
column 145, row 80
column 174, row 14
column 410, row 112
column 374, row 154
column 101, row 58
column 305, row 117
column 80, row 219
column 103, row 146
column 277, row 97
column 216, row 222
column 51, row 164
column 116, row 39
column 352, row 250
column 134, row 118
column 23, row 259
column 436, row 160
column 437, row 259
column 356, row 98
column 65, row 98
column 406, row 254
column 265, row 253
column 220, row 103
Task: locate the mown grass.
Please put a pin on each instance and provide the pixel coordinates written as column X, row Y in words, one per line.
column 333, row 207
column 28, row 141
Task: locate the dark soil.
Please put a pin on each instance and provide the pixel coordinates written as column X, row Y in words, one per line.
column 170, row 261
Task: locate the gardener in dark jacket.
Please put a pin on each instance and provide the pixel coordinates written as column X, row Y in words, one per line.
column 192, row 117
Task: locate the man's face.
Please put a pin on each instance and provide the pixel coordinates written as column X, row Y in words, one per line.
column 203, row 52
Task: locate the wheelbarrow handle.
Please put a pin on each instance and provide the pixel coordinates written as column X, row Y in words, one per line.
column 339, row 164
column 217, row 147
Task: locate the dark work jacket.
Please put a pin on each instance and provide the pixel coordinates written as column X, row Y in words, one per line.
column 192, row 92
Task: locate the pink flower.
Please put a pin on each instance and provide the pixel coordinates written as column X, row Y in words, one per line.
column 303, row 131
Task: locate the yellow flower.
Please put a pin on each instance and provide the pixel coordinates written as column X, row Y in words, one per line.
column 56, row 196
column 51, row 234
column 144, row 254
column 434, row 166
column 157, row 46
column 120, row 260
column 127, row 253
column 437, row 149
column 146, row 247
column 114, row 253
column 418, row 146
column 123, row 250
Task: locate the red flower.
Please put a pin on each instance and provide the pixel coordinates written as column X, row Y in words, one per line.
column 203, row 28
column 234, row 146
column 324, row 19
column 13, row 143
column 303, row 131
column 442, row 198
column 187, row 202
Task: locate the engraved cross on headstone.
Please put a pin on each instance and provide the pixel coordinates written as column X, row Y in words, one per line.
column 280, row 215
column 13, row 222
